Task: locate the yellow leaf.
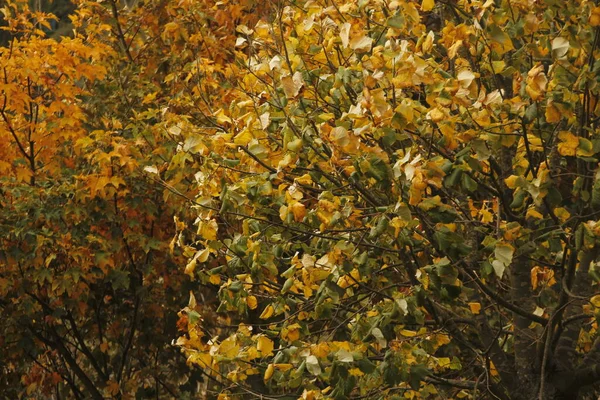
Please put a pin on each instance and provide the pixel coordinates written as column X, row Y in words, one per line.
column 215, row 279
column 361, row 43
column 445, row 361
column 291, row 333
column 149, row 98
column 283, row 212
column 453, row 50
column 292, row 84
column 428, row 42
column 560, row 47
column 320, row 350
column 304, row 179
column 427, row 5
column 221, row 117
column 243, row 138
column 436, row 115
column 267, row 312
column 568, row 144
column 536, row 82
column 283, row 367
column 269, row 372
column 302, row 315
column 203, row 360
column 345, row 34
column 486, row 216
column 585, row 148
column 532, row 213
column 23, row 174
column 595, row 16
column 493, row 370
column 498, row 66
column 251, row 302
column 465, row 78
column 208, row 229
column 501, row 41
column 562, row 214
column 229, row 348
column 299, row 211
column 475, row 307
column 202, row 255
column 534, row 277
column 265, row 345
column 190, row 268
column 407, row 333
column 345, row 282
column 442, row 339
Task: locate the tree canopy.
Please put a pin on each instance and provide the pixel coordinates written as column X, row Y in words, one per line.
column 358, row 199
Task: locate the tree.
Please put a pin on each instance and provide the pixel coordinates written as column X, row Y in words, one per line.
column 399, row 200
column 88, row 288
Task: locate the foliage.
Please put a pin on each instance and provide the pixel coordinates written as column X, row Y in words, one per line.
column 400, row 201
column 88, row 289
column 371, row 198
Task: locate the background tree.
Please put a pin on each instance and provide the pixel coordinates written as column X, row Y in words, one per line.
column 88, row 288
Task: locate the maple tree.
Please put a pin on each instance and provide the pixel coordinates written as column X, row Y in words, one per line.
column 88, row 289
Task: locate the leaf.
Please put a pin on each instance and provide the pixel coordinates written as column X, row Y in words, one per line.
column 504, row 253
column 299, row 211
column 344, row 356
column 312, row 364
column 533, row 213
column 465, row 77
column 267, row 312
column 203, row 360
column 361, row 43
column 252, row 302
column 418, row 373
column 536, row 82
column 408, row 333
column 499, row 268
column 568, row 143
column 475, row 307
column 269, row 372
column 151, row 169
column 208, row 229
column 264, row 346
column 427, row 5
column 200, row 257
column 502, row 42
column 560, row 47
column 229, row 348
column 292, row 84
column 378, row 335
column 594, row 19
column 345, row 34
column 403, row 304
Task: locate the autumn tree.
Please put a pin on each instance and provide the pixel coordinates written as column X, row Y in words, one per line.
column 88, row 288
column 397, row 199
